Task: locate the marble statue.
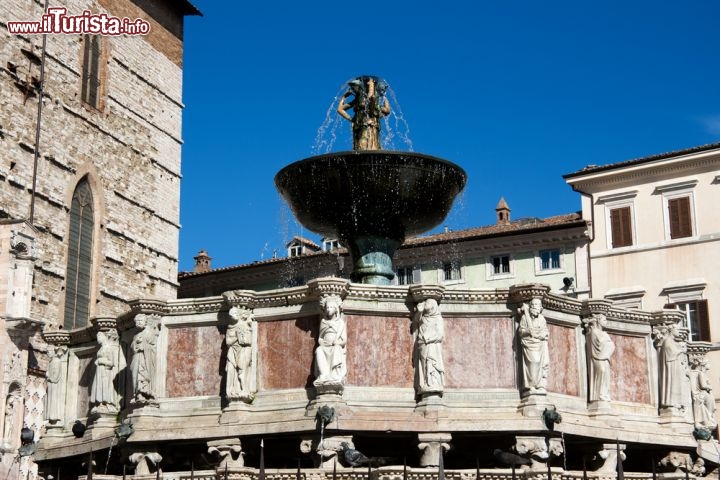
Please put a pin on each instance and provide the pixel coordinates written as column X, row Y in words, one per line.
column 239, row 355
column 671, row 345
column 109, row 361
column 703, row 401
column 428, row 330
column 13, row 409
column 142, row 367
column 55, row 406
column 600, row 349
column 369, row 105
column 534, row 335
column 330, row 364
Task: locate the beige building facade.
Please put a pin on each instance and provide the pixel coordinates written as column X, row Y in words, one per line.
column 656, row 236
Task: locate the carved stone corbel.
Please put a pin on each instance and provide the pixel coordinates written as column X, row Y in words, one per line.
column 325, row 451
column 682, row 463
column 431, row 445
column 608, row 455
column 534, row 449
column 230, row 452
column 146, row 462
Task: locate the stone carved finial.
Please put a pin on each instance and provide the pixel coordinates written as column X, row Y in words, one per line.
column 109, row 362
column 145, row 462
column 600, row 348
column 428, row 331
column 240, row 298
column 240, row 366
column 430, row 445
column 670, row 342
column 703, row 400
column 608, row 457
column 330, row 354
column 55, row 408
column 533, row 333
column 144, row 359
column 230, row 452
column 679, row 462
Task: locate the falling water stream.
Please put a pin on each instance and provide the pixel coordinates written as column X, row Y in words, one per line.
column 107, row 462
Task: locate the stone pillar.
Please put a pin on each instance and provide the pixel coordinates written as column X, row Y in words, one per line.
column 230, row 452
column 534, row 449
column 608, row 454
column 431, row 444
column 326, row 451
column 146, row 462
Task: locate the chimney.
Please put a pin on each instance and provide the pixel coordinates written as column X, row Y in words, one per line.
column 202, row 262
column 503, row 212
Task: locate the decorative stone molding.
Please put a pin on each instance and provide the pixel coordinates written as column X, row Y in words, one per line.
column 423, row 292
column 563, row 303
column 534, row 449
column 104, row 324
column 475, row 296
column 321, row 287
column 608, row 455
column 526, row 292
column 240, row 298
column 53, row 335
column 430, row 445
column 148, row 306
column 667, row 317
column 596, row 306
column 230, row 452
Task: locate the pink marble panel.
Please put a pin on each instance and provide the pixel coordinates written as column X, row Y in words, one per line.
column 563, row 376
column 478, row 353
column 629, row 380
column 285, row 353
column 193, row 361
column 379, row 351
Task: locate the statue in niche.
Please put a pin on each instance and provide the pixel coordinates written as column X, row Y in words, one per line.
column 55, row 407
column 702, row 396
column 238, row 339
column 109, row 361
column 13, row 409
column 428, row 331
column 534, row 335
column 600, row 349
column 671, row 345
column 330, row 365
column 142, row 367
column 369, row 105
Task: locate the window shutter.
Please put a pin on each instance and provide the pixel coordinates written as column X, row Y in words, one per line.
column 703, row 321
column 679, row 215
column 621, row 227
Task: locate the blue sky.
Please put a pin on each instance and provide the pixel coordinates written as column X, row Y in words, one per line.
column 518, row 93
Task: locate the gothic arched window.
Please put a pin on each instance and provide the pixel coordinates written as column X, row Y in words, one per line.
column 78, row 274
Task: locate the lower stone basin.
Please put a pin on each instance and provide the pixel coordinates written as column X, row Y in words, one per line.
column 371, row 201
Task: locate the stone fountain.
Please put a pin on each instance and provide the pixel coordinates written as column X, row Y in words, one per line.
column 370, row 199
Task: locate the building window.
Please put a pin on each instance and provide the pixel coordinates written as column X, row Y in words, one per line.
column 90, row 90
column 330, row 245
column 679, row 217
column 696, row 319
column 500, row 264
column 404, row 275
column 549, row 259
column 295, row 251
column 621, row 227
column 452, row 271
column 78, row 274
